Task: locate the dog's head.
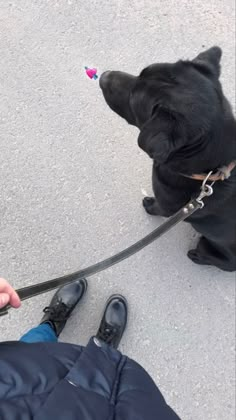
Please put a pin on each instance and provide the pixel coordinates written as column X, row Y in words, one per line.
column 173, row 105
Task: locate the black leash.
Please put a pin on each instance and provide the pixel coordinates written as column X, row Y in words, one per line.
column 186, row 211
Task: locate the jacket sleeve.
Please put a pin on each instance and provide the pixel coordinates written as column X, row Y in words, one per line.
column 139, row 398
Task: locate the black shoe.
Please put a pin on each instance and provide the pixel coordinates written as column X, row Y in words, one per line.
column 114, row 321
column 62, row 304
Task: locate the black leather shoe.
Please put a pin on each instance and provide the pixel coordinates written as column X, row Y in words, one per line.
column 62, row 304
column 113, row 321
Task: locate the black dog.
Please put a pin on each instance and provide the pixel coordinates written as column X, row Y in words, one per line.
column 187, row 127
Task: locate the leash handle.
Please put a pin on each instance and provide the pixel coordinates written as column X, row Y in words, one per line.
column 4, row 310
column 34, row 290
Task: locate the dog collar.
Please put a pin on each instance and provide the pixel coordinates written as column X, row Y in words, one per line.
column 223, row 173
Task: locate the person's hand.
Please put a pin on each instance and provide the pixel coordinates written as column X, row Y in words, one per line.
column 8, row 295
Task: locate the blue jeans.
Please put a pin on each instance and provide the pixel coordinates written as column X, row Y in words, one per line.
column 43, row 332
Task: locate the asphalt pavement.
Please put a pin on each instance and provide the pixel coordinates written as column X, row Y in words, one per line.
column 73, row 178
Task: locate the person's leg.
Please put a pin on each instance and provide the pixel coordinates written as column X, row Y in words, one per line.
column 43, row 332
column 57, row 313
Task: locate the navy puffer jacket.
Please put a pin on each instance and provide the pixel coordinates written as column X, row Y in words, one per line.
column 57, row 381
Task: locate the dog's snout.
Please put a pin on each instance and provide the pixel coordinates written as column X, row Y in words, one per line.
column 116, row 88
column 104, row 79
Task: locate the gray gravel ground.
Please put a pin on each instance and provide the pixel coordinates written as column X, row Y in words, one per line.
column 72, row 181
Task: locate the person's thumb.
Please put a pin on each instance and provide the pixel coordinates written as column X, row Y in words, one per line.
column 4, row 299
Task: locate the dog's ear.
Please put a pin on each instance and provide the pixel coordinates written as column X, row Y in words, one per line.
column 208, row 62
column 162, row 135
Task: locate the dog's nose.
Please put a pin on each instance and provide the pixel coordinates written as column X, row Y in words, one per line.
column 104, row 79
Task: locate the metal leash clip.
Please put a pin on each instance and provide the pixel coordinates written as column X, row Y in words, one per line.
column 206, row 190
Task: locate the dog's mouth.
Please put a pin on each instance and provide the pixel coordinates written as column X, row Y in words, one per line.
column 117, row 89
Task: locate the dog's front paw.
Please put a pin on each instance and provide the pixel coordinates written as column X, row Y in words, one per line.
column 198, row 258
column 151, row 206
column 148, row 201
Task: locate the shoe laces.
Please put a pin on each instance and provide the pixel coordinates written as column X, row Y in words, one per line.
column 107, row 333
column 58, row 313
